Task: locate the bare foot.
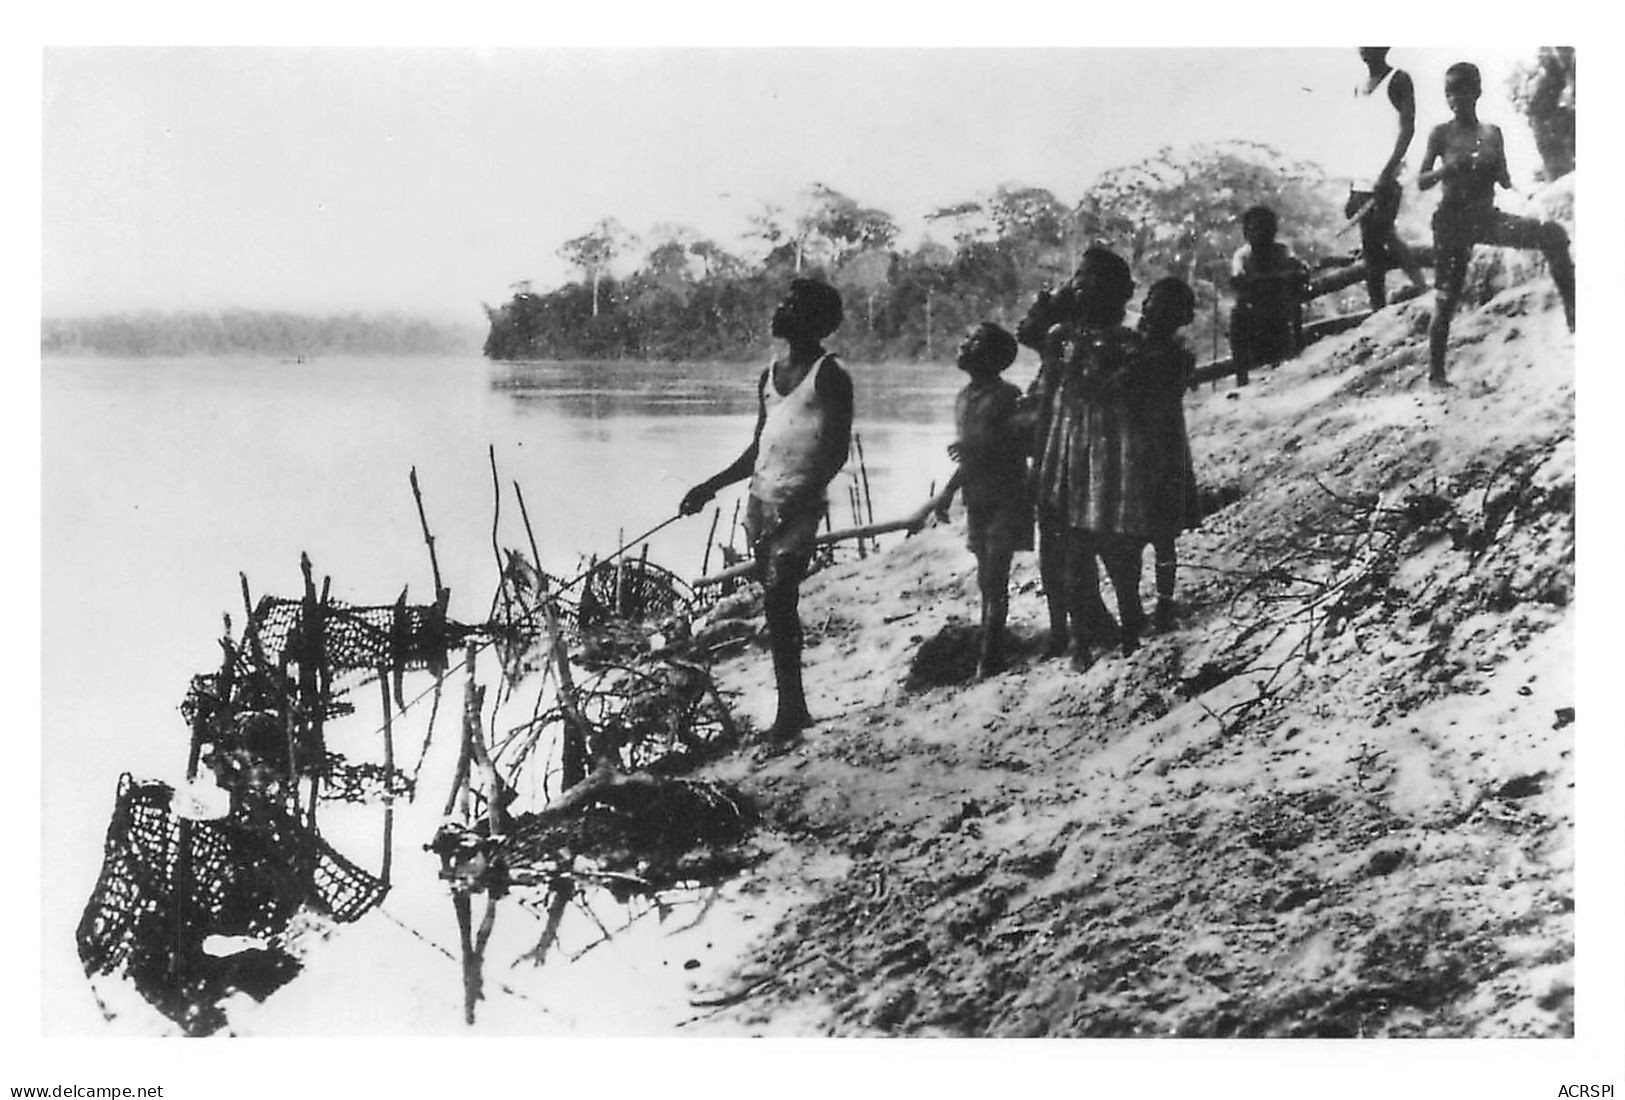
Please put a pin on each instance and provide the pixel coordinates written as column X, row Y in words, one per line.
column 789, row 725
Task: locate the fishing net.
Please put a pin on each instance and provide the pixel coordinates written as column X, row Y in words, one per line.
column 167, row 883
column 631, row 591
column 350, row 638
column 652, row 711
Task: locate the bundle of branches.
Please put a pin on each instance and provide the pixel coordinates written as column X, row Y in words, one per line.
column 640, row 829
column 1336, row 562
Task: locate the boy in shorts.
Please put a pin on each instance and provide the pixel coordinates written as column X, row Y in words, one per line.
column 1471, row 160
column 993, row 439
column 802, row 436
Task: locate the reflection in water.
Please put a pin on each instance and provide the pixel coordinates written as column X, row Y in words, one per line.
column 899, row 393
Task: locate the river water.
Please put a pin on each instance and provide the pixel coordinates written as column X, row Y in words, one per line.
column 163, row 479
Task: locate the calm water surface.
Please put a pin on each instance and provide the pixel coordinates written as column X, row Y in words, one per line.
column 165, row 479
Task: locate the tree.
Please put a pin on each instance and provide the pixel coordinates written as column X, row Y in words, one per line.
column 1543, row 89
column 594, row 251
column 868, row 274
column 1177, row 211
column 1037, row 230
column 833, row 226
column 969, row 219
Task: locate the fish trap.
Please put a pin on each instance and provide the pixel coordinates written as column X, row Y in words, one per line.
column 168, row 883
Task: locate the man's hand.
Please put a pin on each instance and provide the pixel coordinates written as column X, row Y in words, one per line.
column 955, row 451
column 695, row 499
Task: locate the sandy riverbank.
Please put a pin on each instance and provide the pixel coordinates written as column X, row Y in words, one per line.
column 1337, row 799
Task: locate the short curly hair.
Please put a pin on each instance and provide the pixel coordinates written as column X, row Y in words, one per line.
column 1001, row 346
column 1465, row 71
column 1111, row 265
column 1262, row 215
column 821, row 302
column 1178, row 291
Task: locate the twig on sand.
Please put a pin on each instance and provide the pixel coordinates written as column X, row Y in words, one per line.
column 744, row 992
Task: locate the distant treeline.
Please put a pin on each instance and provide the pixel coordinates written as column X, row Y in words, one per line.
column 1174, row 213
column 251, row 332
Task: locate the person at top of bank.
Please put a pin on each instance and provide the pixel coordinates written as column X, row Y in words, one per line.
column 1386, row 105
column 802, row 435
column 1467, row 158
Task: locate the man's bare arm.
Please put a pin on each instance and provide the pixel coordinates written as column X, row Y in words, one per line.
column 835, row 391
column 1502, row 175
column 1427, row 177
column 1402, row 94
column 737, row 470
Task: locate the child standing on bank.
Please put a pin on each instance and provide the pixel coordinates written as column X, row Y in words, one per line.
column 1270, row 284
column 994, row 435
column 1164, row 374
column 802, row 435
column 1085, row 496
column 1471, row 160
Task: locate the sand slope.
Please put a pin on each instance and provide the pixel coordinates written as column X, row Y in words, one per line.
column 1337, row 799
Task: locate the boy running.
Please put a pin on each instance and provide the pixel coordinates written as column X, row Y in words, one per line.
column 1471, row 160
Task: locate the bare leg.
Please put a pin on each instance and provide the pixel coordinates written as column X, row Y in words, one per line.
column 1374, row 251
column 1405, row 260
column 993, row 576
column 1123, row 566
column 1439, row 338
column 1052, row 571
column 1167, row 568
column 1241, row 343
column 1092, row 624
column 1451, row 272
column 781, row 599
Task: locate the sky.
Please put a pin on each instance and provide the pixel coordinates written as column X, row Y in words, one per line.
column 429, row 180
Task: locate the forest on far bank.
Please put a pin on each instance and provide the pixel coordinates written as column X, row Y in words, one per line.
column 1174, row 213
column 252, row 332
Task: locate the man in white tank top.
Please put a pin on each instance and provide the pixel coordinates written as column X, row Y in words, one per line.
column 1384, row 100
column 803, row 432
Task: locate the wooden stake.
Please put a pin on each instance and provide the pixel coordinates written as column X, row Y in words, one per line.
column 620, row 575
column 389, row 776
column 710, row 538
column 573, row 757
column 868, row 497
column 530, row 536
column 459, row 780
column 496, row 549
column 440, row 593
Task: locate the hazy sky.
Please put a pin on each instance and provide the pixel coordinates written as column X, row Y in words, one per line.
column 430, row 180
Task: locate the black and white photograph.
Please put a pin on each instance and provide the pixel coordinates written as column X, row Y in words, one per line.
column 814, row 541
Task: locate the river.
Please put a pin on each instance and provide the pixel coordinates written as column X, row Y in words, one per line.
column 163, row 479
